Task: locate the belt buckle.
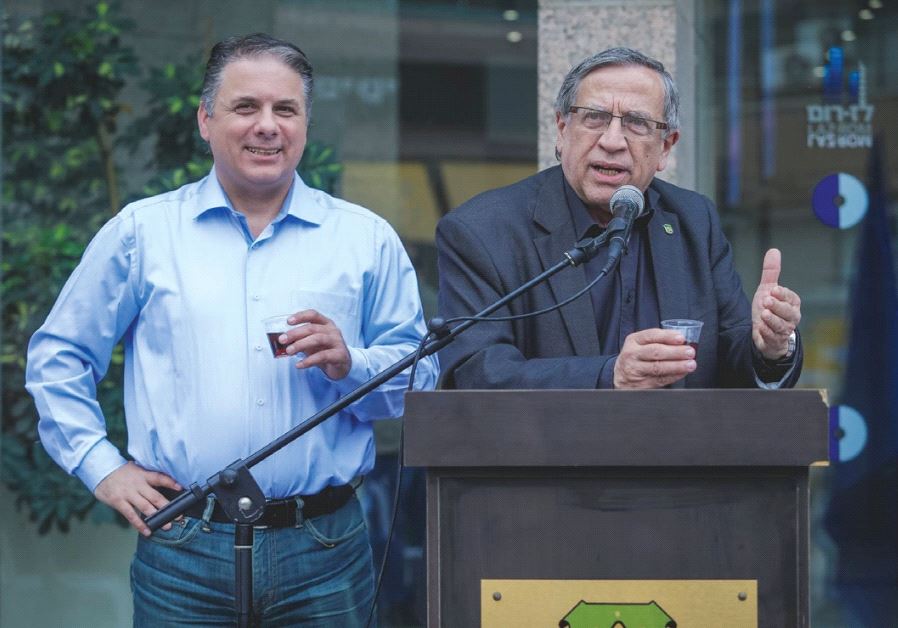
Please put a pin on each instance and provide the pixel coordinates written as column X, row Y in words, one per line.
column 278, row 513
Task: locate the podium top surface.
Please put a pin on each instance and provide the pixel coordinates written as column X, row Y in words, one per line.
column 616, row 428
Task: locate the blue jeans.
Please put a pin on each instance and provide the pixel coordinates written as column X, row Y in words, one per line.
column 319, row 573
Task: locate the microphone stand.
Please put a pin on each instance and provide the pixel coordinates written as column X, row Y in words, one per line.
column 237, row 491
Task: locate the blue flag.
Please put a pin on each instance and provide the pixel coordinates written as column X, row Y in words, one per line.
column 862, row 518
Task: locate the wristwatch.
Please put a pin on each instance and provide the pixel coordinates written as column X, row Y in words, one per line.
column 790, row 346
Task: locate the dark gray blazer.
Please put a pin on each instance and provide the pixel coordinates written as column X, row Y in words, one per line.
column 500, row 239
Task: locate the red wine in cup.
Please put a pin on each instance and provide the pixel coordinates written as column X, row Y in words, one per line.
column 278, row 349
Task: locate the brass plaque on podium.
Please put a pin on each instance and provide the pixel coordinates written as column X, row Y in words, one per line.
column 615, row 603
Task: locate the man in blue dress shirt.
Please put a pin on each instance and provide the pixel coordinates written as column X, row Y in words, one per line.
column 184, row 279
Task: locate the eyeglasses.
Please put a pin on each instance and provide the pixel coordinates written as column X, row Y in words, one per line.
column 632, row 125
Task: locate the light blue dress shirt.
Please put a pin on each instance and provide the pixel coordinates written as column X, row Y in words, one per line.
column 179, row 278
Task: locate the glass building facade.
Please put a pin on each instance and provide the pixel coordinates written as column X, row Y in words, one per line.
column 799, row 93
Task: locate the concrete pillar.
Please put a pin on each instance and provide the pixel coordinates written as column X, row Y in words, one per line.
column 570, row 30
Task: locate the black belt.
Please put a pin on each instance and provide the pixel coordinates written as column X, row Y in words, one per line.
column 279, row 513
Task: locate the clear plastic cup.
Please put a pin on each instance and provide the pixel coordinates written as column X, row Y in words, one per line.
column 691, row 329
column 274, row 327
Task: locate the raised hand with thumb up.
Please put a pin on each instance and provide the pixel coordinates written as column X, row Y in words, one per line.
column 775, row 310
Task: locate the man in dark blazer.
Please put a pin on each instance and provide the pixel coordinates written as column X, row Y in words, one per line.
column 617, row 120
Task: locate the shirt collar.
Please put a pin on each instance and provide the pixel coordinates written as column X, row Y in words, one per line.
column 302, row 202
column 585, row 226
column 652, row 200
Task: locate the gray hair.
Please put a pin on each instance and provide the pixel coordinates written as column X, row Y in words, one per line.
column 252, row 46
column 620, row 56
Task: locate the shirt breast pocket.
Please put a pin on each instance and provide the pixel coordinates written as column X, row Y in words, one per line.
column 342, row 308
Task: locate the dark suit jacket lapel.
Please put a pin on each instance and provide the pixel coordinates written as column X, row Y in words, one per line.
column 552, row 217
column 669, row 264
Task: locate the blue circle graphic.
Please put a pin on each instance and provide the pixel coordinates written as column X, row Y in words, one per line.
column 847, row 433
column 830, row 191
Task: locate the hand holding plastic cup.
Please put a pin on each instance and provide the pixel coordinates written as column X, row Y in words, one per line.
column 274, row 327
column 690, row 329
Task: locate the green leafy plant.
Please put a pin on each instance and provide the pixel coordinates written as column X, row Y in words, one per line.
column 63, row 76
column 319, row 167
column 170, row 115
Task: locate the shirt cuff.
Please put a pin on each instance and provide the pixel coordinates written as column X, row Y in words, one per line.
column 102, row 459
column 358, row 372
column 606, row 375
column 771, row 375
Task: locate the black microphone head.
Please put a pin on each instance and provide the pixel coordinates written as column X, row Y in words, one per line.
column 627, row 202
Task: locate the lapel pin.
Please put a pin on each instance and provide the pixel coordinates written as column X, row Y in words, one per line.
column 668, row 229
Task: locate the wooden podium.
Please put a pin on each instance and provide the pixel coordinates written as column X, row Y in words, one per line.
column 529, row 492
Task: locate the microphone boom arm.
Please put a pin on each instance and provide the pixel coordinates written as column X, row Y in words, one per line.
column 234, row 476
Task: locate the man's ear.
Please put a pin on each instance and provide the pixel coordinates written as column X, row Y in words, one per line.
column 202, row 121
column 669, row 142
column 561, row 126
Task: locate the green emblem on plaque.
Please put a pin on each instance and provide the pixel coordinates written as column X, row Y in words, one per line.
column 612, row 615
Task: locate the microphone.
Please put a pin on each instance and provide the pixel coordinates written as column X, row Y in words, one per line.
column 627, row 204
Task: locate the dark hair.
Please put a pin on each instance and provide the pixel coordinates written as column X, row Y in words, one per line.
column 255, row 45
column 620, row 56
